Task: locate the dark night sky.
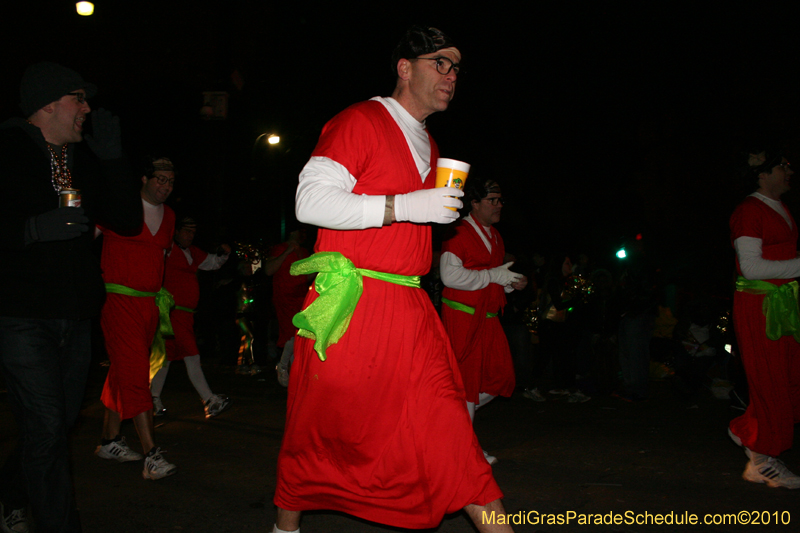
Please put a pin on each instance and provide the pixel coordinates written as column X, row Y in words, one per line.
column 599, row 120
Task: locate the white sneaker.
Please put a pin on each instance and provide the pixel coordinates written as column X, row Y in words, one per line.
column 578, row 397
column 771, row 471
column 283, row 375
column 118, row 450
column 216, row 405
column 156, row 467
column 15, row 521
column 491, row 459
column 158, row 407
column 534, row 394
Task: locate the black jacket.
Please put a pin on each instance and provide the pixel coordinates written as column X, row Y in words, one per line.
column 59, row 279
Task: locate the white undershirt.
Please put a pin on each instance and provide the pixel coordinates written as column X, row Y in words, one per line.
column 153, row 216
column 749, row 253
column 325, row 191
column 456, row 276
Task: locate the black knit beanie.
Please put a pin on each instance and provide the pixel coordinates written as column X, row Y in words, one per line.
column 46, row 82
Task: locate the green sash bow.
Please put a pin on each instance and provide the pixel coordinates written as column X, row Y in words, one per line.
column 780, row 306
column 164, row 301
column 458, row 306
column 339, row 285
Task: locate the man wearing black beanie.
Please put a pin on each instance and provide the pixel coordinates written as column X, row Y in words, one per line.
column 51, row 285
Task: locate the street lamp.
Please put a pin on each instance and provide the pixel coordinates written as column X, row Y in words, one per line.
column 84, row 8
column 274, row 140
column 271, row 139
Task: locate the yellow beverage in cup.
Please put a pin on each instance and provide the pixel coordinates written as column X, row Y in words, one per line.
column 451, row 173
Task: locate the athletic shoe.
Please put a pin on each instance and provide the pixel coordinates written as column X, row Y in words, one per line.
column 283, row 375
column 243, row 370
column 255, row 369
column 158, row 407
column 156, row 467
column 737, row 441
column 771, row 471
column 119, row 451
column 216, row 405
column 15, row 521
column 578, row 397
column 559, row 392
column 491, row 459
column 533, row 394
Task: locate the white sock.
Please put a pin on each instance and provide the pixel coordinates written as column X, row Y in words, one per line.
column 197, row 377
column 288, row 354
column 276, row 530
column 157, row 384
column 483, row 399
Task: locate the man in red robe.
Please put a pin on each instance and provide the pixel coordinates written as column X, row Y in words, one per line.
column 766, row 322
column 180, row 279
column 133, row 269
column 476, row 277
column 377, row 424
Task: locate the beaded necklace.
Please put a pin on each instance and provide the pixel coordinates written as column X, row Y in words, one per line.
column 59, row 171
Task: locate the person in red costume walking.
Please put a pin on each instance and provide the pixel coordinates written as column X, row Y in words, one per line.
column 377, row 424
column 133, row 269
column 288, row 293
column 766, row 322
column 180, row 279
column 476, row 277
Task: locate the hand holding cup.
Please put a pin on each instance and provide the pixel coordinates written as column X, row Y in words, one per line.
column 451, row 173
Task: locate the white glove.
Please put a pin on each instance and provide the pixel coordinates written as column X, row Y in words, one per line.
column 503, row 276
column 428, row 205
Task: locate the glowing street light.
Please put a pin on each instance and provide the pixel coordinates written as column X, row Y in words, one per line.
column 271, row 139
column 84, row 8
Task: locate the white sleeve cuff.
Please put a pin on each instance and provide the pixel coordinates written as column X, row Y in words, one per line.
column 213, row 262
column 325, row 198
column 455, row 276
column 754, row 266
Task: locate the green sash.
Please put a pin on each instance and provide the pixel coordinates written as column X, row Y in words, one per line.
column 164, row 302
column 181, row 308
column 780, row 306
column 339, row 285
column 458, row 306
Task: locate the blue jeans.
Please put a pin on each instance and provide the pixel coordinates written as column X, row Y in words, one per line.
column 45, row 363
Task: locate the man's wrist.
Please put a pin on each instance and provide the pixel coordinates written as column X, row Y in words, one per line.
column 388, row 211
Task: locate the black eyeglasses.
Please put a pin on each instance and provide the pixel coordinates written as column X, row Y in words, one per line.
column 163, row 180
column 496, row 199
column 81, row 97
column 443, row 65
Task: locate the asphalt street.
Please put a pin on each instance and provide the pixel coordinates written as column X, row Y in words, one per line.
column 602, row 460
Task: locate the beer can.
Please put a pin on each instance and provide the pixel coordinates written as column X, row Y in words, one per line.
column 69, row 198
